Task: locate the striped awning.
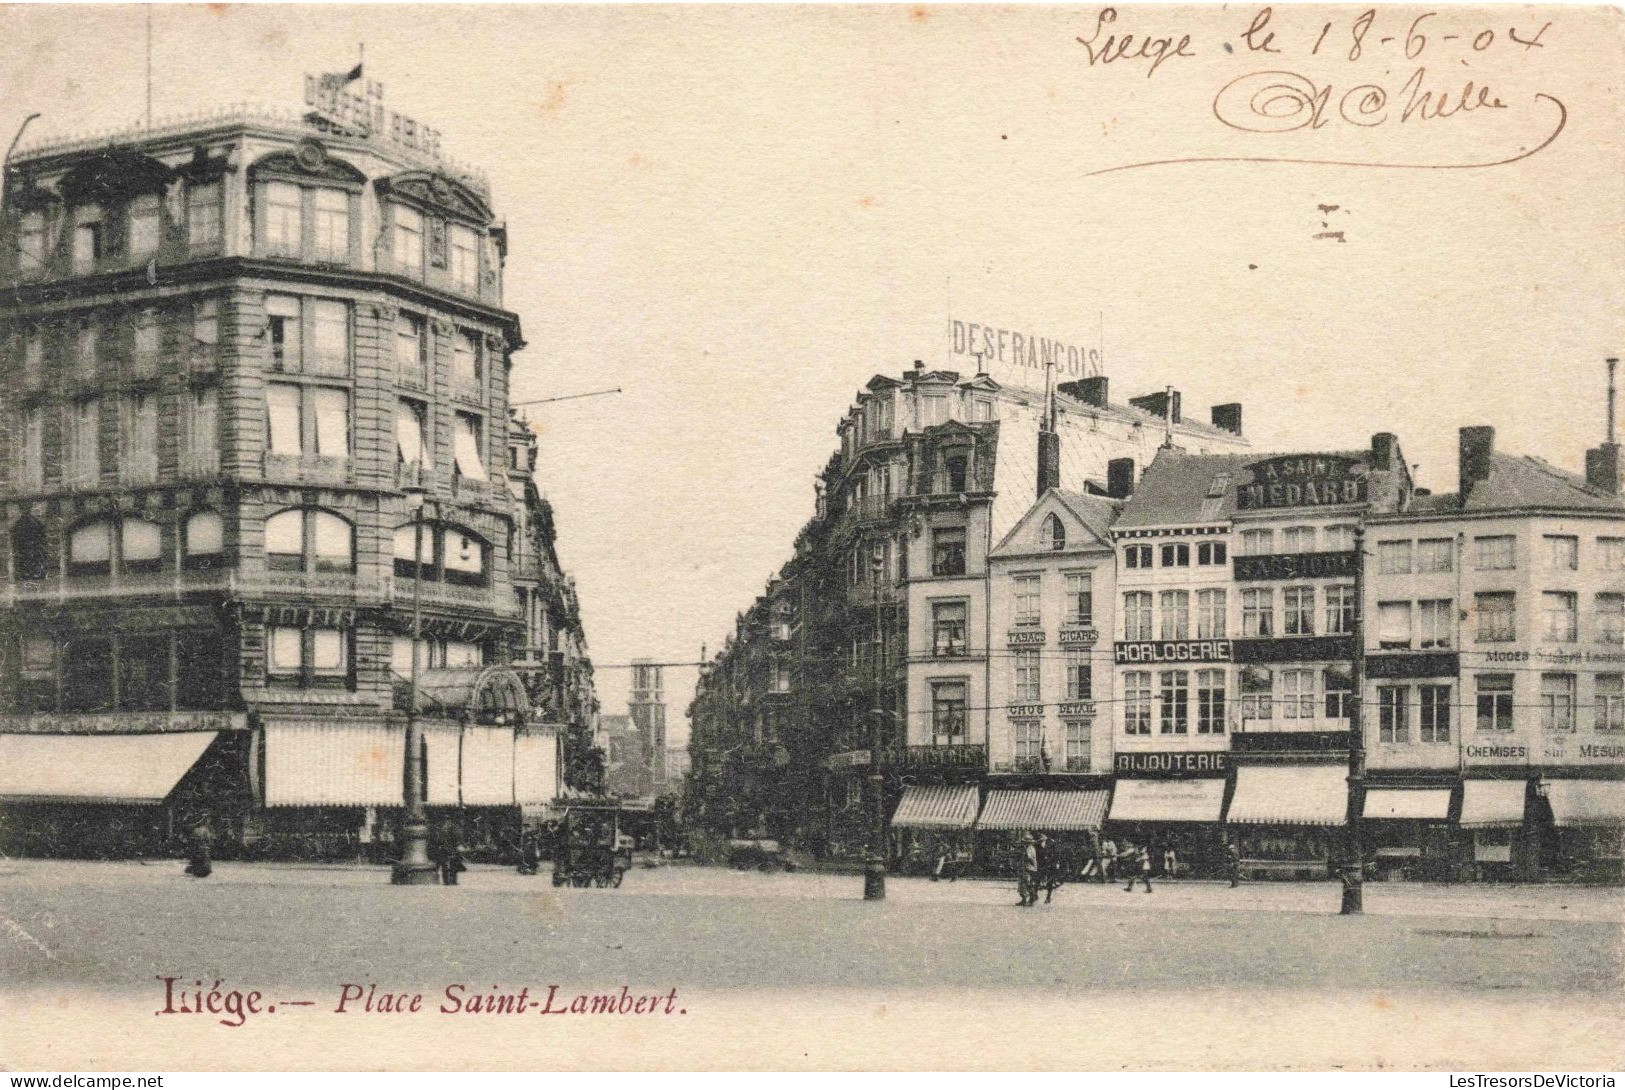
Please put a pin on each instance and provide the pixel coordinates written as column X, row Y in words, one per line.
column 1167, row 800
column 90, row 768
column 1046, row 811
column 937, row 807
column 1488, row 804
column 1290, row 795
column 1586, row 802
column 1408, row 803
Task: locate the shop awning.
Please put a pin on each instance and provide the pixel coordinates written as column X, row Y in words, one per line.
column 107, row 768
column 1586, row 802
column 488, row 766
column 442, row 753
column 334, row 763
column 1046, row 811
column 536, row 768
column 936, row 807
column 1408, row 803
column 1167, row 800
column 1486, row 804
column 1290, row 795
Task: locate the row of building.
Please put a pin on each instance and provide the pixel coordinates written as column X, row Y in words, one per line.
column 1063, row 614
column 260, row 476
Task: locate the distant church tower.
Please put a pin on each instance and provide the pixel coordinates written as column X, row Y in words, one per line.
column 647, row 705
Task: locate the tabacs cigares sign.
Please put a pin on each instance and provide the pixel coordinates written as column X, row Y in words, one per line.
column 1303, row 480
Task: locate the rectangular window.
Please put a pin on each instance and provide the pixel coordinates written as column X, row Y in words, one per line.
column 89, row 241
column 1394, row 557
column 948, row 708
column 1338, row 539
column 411, row 351
column 1257, row 542
column 1258, row 612
column 1176, row 555
column 1436, row 622
column 1339, row 692
column 84, row 461
column 146, row 337
column 1028, row 740
column 1027, row 596
column 467, row 440
column 408, row 230
column 1560, row 614
column 329, row 651
column 1174, row 702
column 948, row 550
column 1257, row 694
column 201, row 455
column 1608, row 702
column 1080, row 599
column 1557, row 702
column 1494, row 702
column 1298, row 694
column 203, row 216
column 1210, row 614
column 285, row 418
column 86, row 348
column 1137, row 556
column 1611, row 553
column 948, row 628
column 1210, row 701
column 332, row 213
column 1393, row 625
column 1298, row 539
column 464, row 264
column 90, row 549
column 1494, row 553
column 1497, row 617
column 206, row 324
column 284, row 219
column 465, row 361
column 282, row 328
column 1210, row 552
column 1562, row 552
column 1137, row 615
column 138, row 439
column 1393, row 713
column 140, row 545
column 330, row 337
column 1029, row 677
column 1078, row 743
column 31, row 243
column 1298, row 611
column 33, row 358
column 1080, row 681
column 1175, row 609
column 1340, row 610
column 33, row 467
column 331, row 410
column 145, row 227
column 1611, row 619
column 410, row 448
column 1434, row 719
column 1137, row 702
column 1435, row 554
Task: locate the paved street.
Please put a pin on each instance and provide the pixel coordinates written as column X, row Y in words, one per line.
column 724, row 938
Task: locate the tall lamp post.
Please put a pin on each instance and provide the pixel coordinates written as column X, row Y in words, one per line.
column 1354, row 851
column 874, row 868
column 415, row 868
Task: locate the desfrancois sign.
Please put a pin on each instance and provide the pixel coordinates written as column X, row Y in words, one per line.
column 1303, row 480
column 992, row 345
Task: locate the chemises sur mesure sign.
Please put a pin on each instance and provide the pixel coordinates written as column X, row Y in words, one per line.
column 1303, row 480
column 1136, row 651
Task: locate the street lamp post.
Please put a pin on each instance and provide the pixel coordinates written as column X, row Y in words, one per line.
column 415, row 868
column 874, row 868
column 1354, row 851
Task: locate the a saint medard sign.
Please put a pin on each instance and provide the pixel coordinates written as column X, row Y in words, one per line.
column 811, row 537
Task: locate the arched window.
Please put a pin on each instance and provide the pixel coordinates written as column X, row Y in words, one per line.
column 204, row 540
column 1052, row 533
column 464, row 557
column 140, row 546
column 29, row 557
column 310, row 541
column 406, row 537
column 90, row 549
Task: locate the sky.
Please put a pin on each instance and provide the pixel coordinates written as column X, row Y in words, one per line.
column 738, row 215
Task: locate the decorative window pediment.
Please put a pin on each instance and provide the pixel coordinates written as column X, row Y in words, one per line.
column 203, row 167
column 437, row 193
column 308, row 164
column 114, row 175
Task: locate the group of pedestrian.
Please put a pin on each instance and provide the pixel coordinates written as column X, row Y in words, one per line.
column 1041, row 868
column 1042, row 865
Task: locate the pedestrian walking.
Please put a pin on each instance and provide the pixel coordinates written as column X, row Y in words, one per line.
column 197, row 854
column 530, row 853
column 1137, row 862
column 1108, row 860
column 1027, row 876
column 1170, row 863
column 1232, row 859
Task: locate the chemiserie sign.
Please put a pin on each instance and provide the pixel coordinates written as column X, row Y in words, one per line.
column 1303, row 480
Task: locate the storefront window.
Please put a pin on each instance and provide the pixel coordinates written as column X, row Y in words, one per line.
column 1494, row 702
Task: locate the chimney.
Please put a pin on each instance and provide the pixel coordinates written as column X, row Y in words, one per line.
column 1228, row 417
column 1385, row 451
column 1090, row 391
column 1603, row 470
column 1157, row 404
column 1120, row 478
column 1049, row 461
column 1476, row 446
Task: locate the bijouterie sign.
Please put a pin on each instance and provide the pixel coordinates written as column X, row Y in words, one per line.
column 1175, row 763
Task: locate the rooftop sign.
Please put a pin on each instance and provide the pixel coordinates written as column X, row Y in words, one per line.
column 989, row 345
column 363, row 114
column 1303, row 480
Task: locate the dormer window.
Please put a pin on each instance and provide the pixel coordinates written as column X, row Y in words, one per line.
column 408, row 239
column 463, row 260
column 1051, row 534
column 31, row 243
column 89, row 239
column 284, row 219
column 145, row 226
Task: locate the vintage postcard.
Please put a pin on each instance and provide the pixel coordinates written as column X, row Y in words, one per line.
column 812, row 537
